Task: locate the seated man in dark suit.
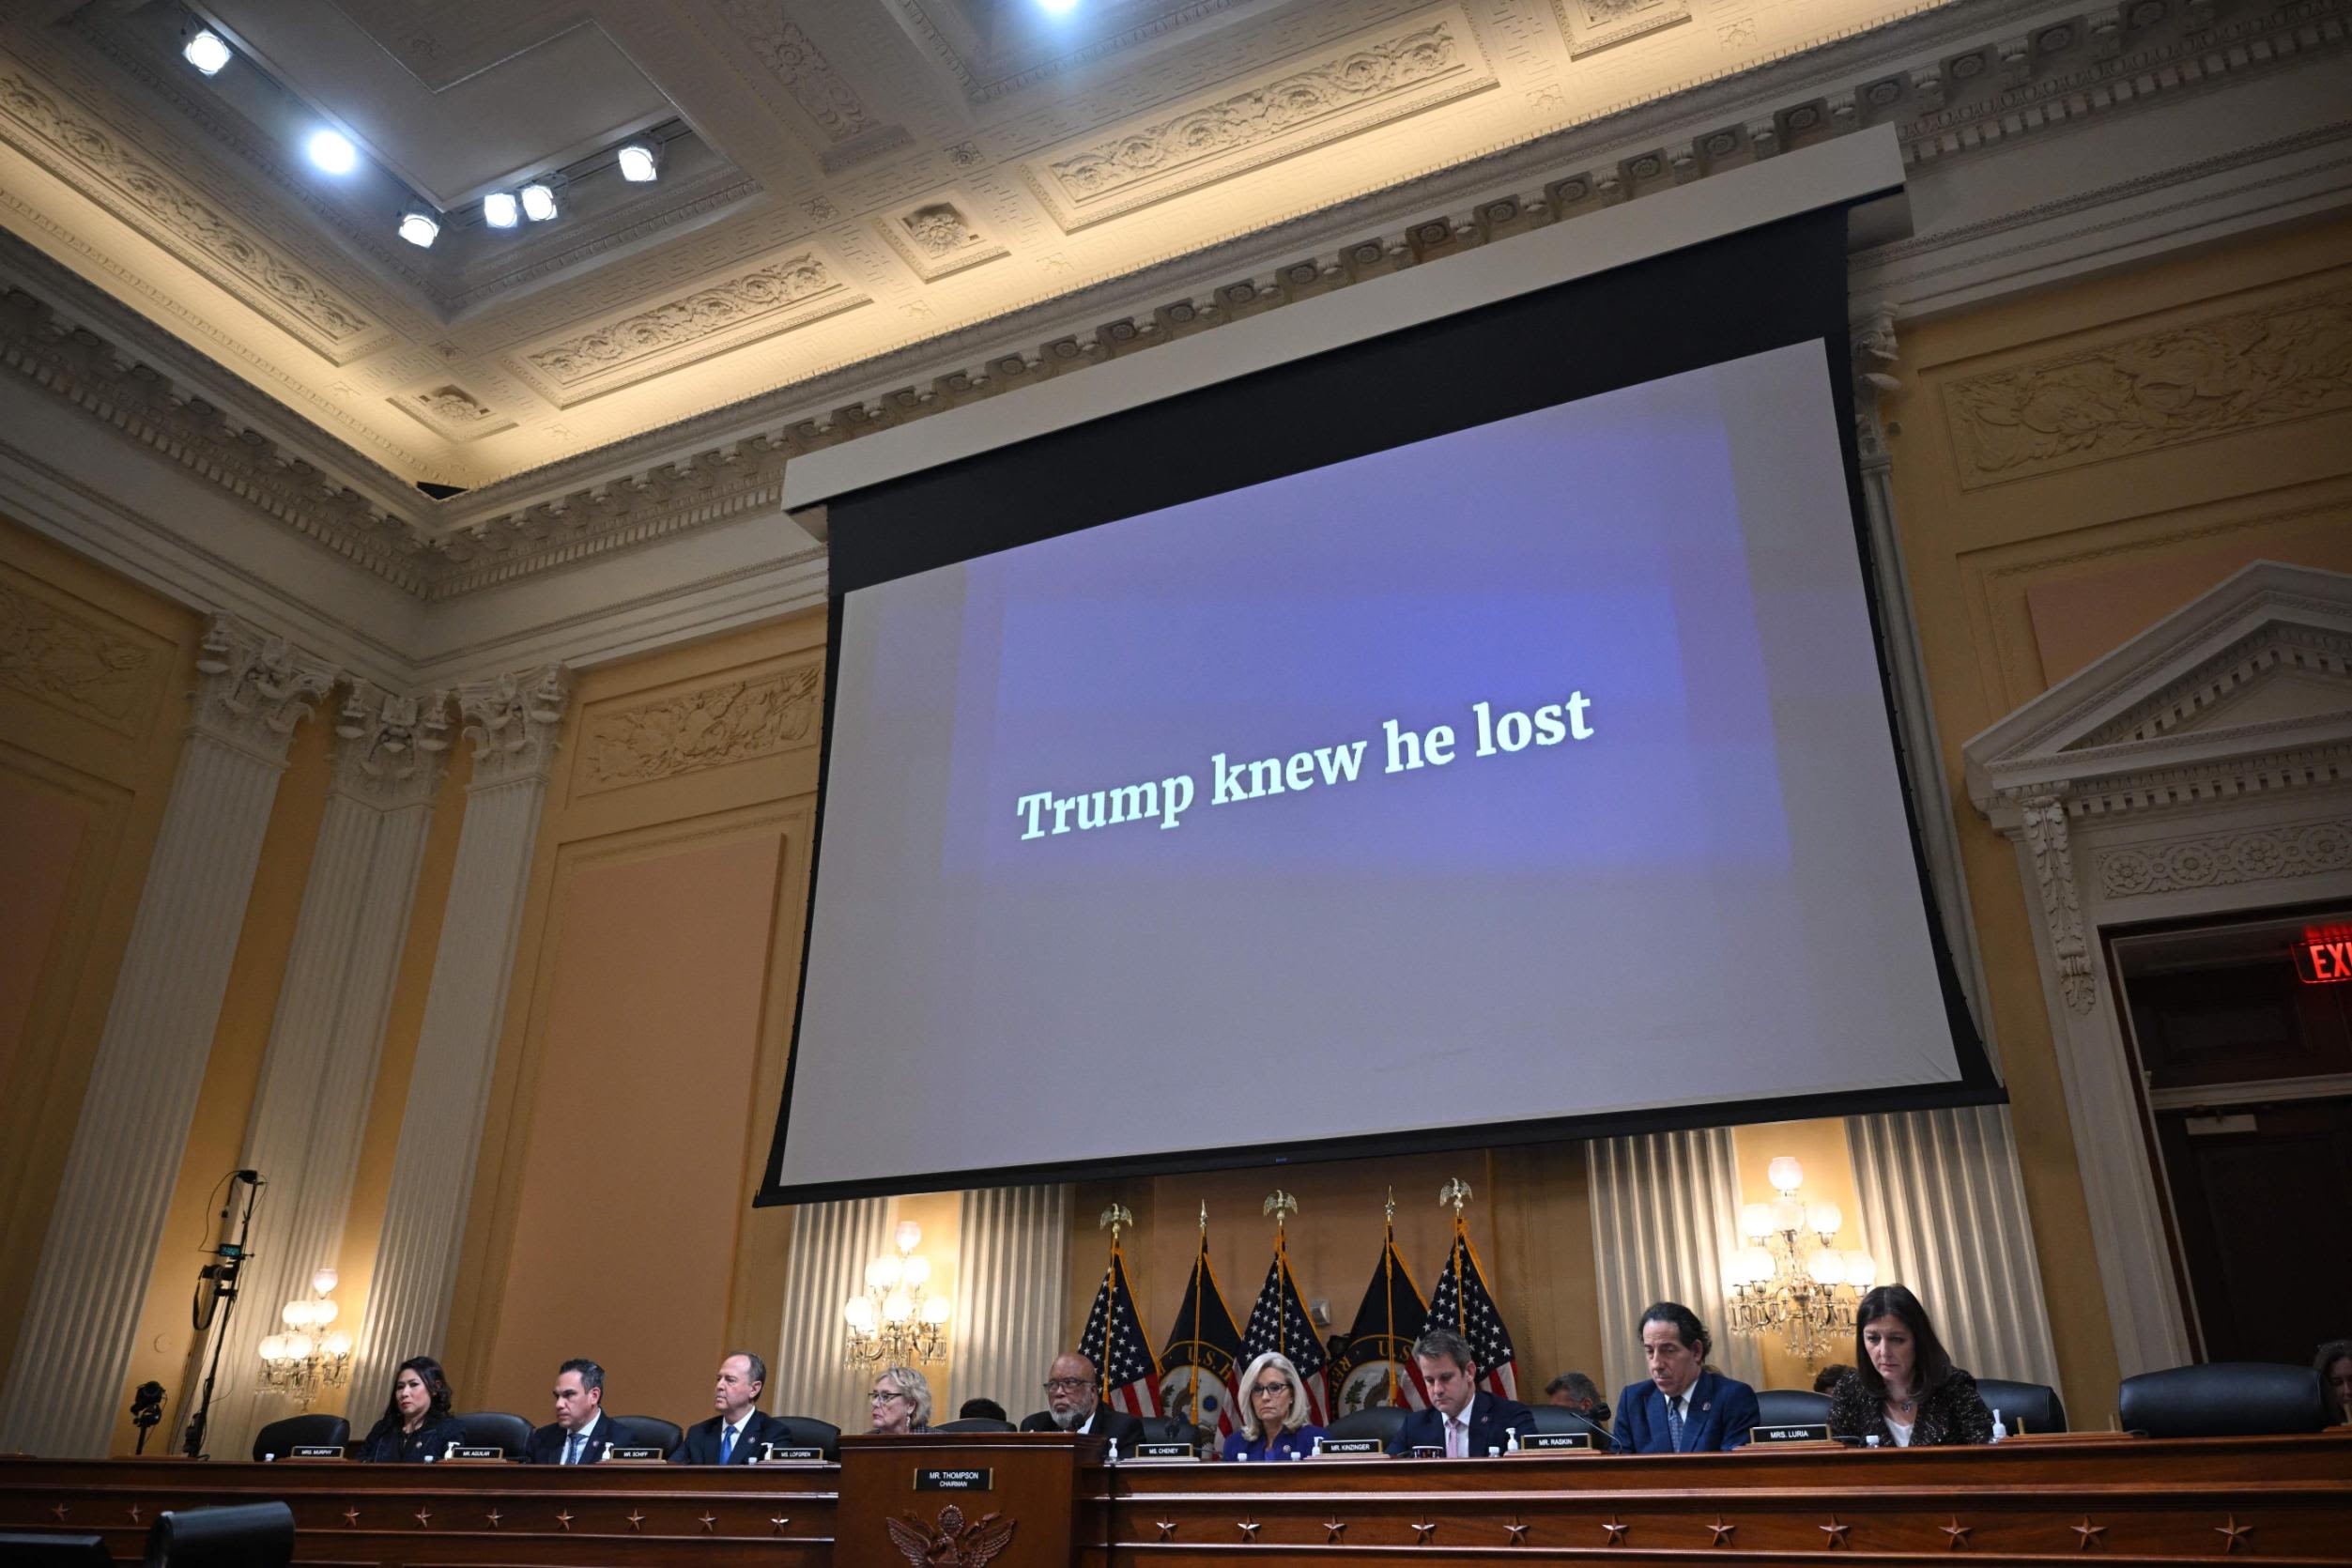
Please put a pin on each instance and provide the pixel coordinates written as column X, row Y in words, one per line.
column 1461, row 1422
column 1073, row 1398
column 1683, row 1408
column 581, row 1431
column 734, row 1436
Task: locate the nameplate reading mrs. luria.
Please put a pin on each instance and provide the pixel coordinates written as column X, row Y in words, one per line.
column 1340, row 1448
column 954, row 1480
column 1804, row 1432
column 1535, row 1442
column 777, row 1454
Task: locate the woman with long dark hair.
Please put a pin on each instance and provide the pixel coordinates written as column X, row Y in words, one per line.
column 417, row 1424
column 1904, row 1389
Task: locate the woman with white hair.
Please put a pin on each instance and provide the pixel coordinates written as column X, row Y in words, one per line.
column 1273, row 1413
column 902, row 1401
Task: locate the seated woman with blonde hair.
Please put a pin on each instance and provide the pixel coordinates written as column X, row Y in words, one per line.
column 902, row 1401
column 1904, row 1388
column 1273, row 1413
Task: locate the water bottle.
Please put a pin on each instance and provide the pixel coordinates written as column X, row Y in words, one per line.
column 268, row 1458
column 1870, row 1441
column 1999, row 1431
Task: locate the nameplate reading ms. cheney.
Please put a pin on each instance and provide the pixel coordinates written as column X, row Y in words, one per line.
column 954, row 1480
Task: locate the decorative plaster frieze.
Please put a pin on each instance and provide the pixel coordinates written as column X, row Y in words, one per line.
column 790, row 56
column 75, row 662
column 515, row 721
column 2224, row 860
column 104, row 166
column 2218, row 377
column 1381, row 78
column 711, row 727
column 2299, row 651
column 1593, row 25
column 937, row 236
column 395, row 747
column 255, row 688
column 939, row 25
column 2042, row 818
column 717, row 316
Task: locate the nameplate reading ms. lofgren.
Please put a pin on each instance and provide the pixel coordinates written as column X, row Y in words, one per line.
column 954, row 1480
column 777, row 1454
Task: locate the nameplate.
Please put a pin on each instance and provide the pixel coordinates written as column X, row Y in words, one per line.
column 1804, row 1432
column 1536, row 1442
column 633, row 1455
column 1340, row 1448
column 1165, row 1451
column 463, row 1452
column 315, row 1450
column 778, row 1453
column 954, row 1480
column 1429, row 1450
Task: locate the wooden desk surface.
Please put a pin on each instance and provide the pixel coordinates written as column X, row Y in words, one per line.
column 2268, row 1499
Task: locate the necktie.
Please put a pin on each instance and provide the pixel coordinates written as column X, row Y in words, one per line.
column 571, row 1449
column 1457, row 1439
column 727, row 1446
column 1674, row 1422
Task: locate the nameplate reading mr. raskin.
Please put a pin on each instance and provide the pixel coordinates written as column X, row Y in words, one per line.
column 1537, row 1441
column 954, row 1480
column 1805, row 1431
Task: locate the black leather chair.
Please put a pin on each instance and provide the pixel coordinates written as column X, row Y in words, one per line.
column 280, row 1437
column 652, row 1431
column 510, row 1435
column 27, row 1549
column 249, row 1535
column 808, row 1432
column 2224, row 1399
column 1791, row 1408
column 2024, row 1406
column 1373, row 1420
column 975, row 1424
column 1553, row 1417
column 1173, row 1429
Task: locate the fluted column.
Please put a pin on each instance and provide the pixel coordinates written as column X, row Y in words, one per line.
column 513, row 723
column 1943, row 1213
column 1665, row 1213
column 70, row 1357
column 1012, row 1278
column 832, row 1243
column 311, row 1107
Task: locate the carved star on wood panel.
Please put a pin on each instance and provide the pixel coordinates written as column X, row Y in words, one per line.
column 2087, row 1534
column 494, row 1516
column 1959, row 1533
column 425, row 1518
column 1427, row 1529
column 1167, row 1529
column 779, row 1523
column 1518, row 1532
column 1616, row 1531
column 350, row 1518
column 134, row 1513
column 2231, row 1533
column 1722, row 1532
column 709, row 1523
column 565, row 1518
column 60, row 1510
column 1248, row 1529
column 1336, row 1529
column 636, row 1521
column 1835, row 1531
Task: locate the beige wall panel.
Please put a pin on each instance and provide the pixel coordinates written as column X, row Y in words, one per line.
column 2163, row 426
column 92, row 668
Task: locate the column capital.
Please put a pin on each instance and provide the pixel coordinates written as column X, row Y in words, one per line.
column 1872, row 336
column 393, row 748
column 514, row 721
column 254, row 687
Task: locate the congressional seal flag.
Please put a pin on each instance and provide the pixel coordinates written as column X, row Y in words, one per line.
column 1280, row 1323
column 1462, row 1302
column 1115, row 1340
column 1373, row 1365
column 1201, row 1358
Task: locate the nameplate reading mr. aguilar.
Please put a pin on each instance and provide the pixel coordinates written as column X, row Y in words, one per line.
column 479, row 1451
column 954, row 1480
column 1808, row 1432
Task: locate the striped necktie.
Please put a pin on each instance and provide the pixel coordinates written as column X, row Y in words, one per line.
column 1674, row 1421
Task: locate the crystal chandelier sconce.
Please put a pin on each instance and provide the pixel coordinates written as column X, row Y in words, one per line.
column 312, row 1356
column 1792, row 1279
column 895, row 1321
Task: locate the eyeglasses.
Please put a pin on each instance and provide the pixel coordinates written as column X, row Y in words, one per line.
column 883, row 1396
column 1265, row 1389
column 1067, row 1385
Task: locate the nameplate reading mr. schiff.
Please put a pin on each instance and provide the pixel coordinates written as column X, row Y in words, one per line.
column 954, row 1480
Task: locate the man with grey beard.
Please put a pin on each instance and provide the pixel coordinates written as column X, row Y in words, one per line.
column 1073, row 1398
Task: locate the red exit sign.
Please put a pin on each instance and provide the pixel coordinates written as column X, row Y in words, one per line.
column 2324, row 958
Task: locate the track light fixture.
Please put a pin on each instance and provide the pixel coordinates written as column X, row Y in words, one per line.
column 421, row 228
column 207, row 52
column 499, row 210
column 333, row 151
column 539, row 201
column 641, row 162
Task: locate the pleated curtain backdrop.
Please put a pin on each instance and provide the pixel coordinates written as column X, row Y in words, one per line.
column 1943, row 1213
column 832, row 1243
column 1012, row 1272
column 1666, row 1211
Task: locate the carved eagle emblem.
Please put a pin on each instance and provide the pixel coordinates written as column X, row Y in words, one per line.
column 953, row 1544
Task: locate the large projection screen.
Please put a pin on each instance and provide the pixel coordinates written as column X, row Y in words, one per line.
column 1528, row 777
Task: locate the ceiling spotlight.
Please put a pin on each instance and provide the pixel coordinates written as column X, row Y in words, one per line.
column 333, row 151
column 641, row 161
column 497, row 209
column 539, row 202
column 421, row 228
column 1058, row 7
column 207, row 52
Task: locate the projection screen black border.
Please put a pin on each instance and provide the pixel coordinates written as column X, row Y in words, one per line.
column 1689, row 308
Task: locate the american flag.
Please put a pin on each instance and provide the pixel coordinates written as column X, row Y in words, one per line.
column 1280, row 1323
column 1374, row 1364
column 1198, row 1361
column 1118, row 1345
column 1463, row 1303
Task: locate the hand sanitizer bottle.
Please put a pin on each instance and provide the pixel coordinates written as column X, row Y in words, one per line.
column 1513, row 1446
column 1114, row 1450
column 1999, row 1431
